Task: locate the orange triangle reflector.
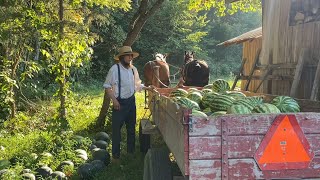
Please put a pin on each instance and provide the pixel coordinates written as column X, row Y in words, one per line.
column 284, row 146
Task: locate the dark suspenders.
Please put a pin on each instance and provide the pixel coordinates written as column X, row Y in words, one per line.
column 119, row 84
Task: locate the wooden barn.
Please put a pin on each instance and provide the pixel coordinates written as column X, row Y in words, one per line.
column 289, row 61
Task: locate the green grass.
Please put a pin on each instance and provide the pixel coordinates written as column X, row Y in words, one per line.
column 38, row 131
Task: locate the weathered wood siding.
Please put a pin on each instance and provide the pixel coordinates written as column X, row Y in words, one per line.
column 249, row 52
column 238, row 137
column 282, row 44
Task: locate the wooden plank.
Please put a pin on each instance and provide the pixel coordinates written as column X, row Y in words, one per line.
column 205, row 147
column 172, row 129
column 205, row 169
column 298, row 72
column 240, row 73
column 253, row 69
column 316, row 86
column 148, row 127
column 264, row 77
column 247, row 145
column 203, row 127
column 248, row 169
column 259, row 123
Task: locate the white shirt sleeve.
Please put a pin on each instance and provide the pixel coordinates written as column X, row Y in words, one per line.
column 138, row 83
column 111, row 79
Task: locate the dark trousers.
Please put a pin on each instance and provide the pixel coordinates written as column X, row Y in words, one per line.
column 127, row 115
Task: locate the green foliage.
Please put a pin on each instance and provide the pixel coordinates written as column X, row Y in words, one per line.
column 221, row 8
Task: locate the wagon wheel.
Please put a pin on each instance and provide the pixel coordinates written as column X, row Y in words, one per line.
column 144, row 140
column 157, row 165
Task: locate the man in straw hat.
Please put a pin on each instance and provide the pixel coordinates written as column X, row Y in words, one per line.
column 121, row 84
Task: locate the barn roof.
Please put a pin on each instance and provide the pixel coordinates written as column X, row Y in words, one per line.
column 254, row 34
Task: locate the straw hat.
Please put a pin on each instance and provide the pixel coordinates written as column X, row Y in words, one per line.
column 125, row 50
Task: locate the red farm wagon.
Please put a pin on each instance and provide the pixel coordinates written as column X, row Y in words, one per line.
column 252, row 146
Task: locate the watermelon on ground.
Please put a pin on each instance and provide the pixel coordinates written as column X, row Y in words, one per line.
column 198, row 114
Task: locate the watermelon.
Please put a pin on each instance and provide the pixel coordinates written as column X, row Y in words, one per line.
column 221, row 103
column 188, row 103
column 28, row 176
column 85, row 171
column 218, row 113
column 58, row 175
column 178, row 93
column 195, row 96
column 208, row 86
column 245, row 102
column 207, row 99
column 43, row 172
column 198, row 114
column 193, row 90
column 286, row 104
column 205, row 91
column 236, row 94
column 102, row 136
column 102, row 155
column 265, row 108
column 220, row 86
column 255, row 100
column 4, row 164
column 238, row 109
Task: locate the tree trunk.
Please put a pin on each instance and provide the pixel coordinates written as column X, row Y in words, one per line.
column 62, row 81
column 136, row 25
column 13, row 107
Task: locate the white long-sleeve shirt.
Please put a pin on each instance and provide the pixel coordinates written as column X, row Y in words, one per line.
column 130, row 82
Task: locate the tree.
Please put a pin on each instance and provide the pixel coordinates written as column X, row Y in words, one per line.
column 146, row 9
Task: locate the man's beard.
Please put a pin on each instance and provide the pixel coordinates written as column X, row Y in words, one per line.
column 124, row 63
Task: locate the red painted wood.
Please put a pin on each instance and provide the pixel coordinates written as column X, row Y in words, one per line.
column 205, row 147
column 203, row 127
column 248, row 169
column 205, row 169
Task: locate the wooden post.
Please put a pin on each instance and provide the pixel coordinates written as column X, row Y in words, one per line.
column 315, row 87
column 155, row 79
column 297, row 73
column 254, row 65
column 239, row 74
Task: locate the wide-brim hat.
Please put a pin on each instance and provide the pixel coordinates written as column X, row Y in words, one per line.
column 124, row 50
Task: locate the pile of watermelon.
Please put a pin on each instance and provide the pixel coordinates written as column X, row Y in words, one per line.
column 218, row 99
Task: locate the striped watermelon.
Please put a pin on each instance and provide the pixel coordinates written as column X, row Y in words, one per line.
column 209, row 86
column 183, row 101
column 265, row 108
column 193, row 90
column 220, row 86
column 236, row 94
column 218, row 113
column 205, row 91
column 198, row 113
column 195, row 96
column 207, row 99
column 238, row 109
column 255, row 100
column 179, row 92
column 286, row 104
column 245, row 102
column 221, row 103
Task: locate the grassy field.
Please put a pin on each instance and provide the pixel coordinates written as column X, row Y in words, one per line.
column 24, row 139
column 37, row 131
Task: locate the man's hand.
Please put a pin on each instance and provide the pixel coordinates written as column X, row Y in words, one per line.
column 116, row 104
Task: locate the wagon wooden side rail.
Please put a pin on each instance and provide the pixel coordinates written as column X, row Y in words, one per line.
column 228, row 146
